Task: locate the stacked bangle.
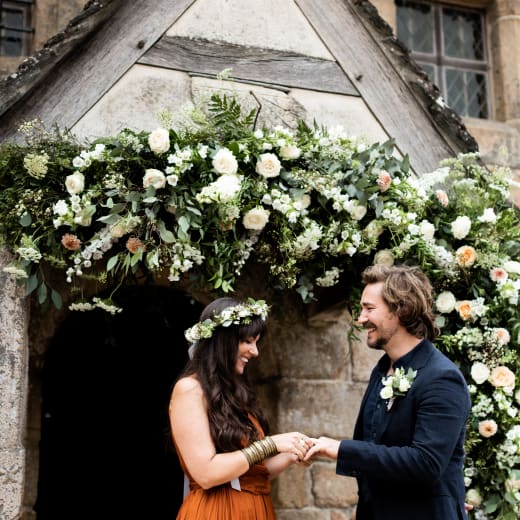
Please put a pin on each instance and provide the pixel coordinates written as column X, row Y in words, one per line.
column 260, row 450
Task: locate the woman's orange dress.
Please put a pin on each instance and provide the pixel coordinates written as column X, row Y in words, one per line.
column 223, row 502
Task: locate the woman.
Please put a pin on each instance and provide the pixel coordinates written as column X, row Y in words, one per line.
column 217, row 426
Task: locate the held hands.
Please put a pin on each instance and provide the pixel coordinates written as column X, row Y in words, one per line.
column 294, row 443
column 324, row 446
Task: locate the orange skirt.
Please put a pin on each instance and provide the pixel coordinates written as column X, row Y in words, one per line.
column 225, row 503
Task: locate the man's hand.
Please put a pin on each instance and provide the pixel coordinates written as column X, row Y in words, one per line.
column 324, row 447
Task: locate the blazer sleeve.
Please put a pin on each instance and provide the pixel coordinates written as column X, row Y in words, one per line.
column 438, row 417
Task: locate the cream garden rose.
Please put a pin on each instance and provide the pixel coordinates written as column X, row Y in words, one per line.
column 155, row 178
column 384, row 257
column 256, row 218
column 290, row 152
column 225, row 162
column 159, row 141
column 501, row 376
column 460, row 227
column 479, row 372
column 268, row 165
column 466, row 256
column 445, row 302
column 75, row 183
column 473, row 497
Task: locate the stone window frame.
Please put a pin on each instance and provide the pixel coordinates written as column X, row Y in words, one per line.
column 26, row 30
column 442, row 62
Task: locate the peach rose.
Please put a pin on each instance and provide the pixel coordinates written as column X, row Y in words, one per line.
column 133, row 244
column 70, row 242
column 503, row 377
column 466, row 256
column 442, row 197
column 487, row 428
column 463, row 307
column 383, row 181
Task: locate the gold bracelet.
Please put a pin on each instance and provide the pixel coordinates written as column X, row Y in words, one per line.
column 259, row 450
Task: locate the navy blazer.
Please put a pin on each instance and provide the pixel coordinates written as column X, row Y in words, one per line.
column 414, row 468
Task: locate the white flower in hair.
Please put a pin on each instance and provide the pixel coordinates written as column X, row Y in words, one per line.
column 235, row 315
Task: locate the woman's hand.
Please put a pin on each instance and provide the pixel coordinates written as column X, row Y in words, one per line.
column 323, row 446
column 294, row 442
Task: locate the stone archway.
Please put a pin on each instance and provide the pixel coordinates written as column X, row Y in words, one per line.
column 104, row 445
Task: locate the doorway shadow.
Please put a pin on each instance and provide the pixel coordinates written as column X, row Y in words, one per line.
column 105, row 448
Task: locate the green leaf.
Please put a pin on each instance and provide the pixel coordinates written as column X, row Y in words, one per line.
column 25, row 219
column 109, row 219
column 42, row 293
column 31, row 284
column 184, row 224
column 56, row 299
column 166, row 235
column 112, row 262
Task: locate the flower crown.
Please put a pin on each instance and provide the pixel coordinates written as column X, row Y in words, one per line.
column 235, row 315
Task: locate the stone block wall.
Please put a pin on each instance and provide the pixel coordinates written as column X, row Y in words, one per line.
column 315, row 375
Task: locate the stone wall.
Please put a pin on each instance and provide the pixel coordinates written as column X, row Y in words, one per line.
column 312, row 378
column 13, row 392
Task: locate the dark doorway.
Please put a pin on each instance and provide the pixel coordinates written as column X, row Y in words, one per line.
column 105, row 449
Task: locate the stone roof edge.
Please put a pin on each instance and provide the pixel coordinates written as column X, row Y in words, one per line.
column 35, row 68
column 428, row 94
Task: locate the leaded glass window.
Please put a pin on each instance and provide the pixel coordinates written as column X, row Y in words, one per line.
column 15, row 27
column 449, row 44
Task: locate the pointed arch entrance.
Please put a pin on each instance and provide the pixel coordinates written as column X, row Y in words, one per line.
column 105, row 449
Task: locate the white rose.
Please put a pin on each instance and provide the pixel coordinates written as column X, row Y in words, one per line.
column 227, row 187
column 225, row 162
column 488, row 216
column 445, row 302
column 427, row 230
column 460, row 227
column 386, row 392
column 512, row 267
column 60, row 208
column 358, row 211
column 404, row 385
column 473, row 497
column 479, row 372
column 159, row 141
column 256, row 218
column 268, row 165
column 155, row 178
column 75, row 183
column 290, row 152
column 384, row 257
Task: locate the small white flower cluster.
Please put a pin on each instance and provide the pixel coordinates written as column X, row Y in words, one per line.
column 330, row 277
column 97, row 303
column 36, row 165
column 183, row 257
column 234, row 315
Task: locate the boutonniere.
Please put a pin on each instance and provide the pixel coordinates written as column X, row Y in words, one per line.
column 397, row 384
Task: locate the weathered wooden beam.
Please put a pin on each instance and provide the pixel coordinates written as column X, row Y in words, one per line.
column 74, row 85
column 387, row 94
column 253, row 64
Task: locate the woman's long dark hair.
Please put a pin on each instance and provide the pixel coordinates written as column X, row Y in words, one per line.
column 228, row 395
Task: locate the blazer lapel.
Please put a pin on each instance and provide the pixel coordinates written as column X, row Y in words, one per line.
column 422, row 354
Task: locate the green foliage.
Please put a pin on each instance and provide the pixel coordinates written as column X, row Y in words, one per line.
column 315, row 206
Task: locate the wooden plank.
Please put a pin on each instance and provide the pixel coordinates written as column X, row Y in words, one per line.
column 254, row 64
column 76, row 84
column 381, row 86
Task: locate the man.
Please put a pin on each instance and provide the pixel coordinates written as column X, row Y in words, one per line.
column 408, row 447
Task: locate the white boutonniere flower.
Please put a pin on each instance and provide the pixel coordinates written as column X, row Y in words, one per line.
column 396, row 384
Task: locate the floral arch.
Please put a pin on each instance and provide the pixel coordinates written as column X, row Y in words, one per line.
column 314, row 206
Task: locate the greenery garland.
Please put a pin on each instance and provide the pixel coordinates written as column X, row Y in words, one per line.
column 314, row 205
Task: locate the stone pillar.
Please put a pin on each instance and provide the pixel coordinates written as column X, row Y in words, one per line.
column 504, row 26
column 13, row 392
